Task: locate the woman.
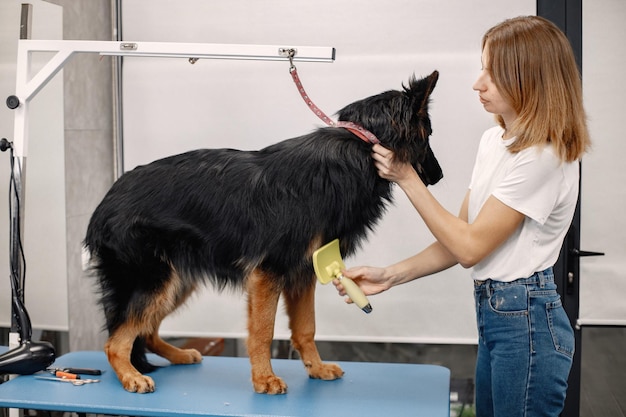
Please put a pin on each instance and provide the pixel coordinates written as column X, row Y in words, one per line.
column 513, row 220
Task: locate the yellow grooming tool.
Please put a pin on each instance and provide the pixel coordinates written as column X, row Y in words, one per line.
column 328, row 265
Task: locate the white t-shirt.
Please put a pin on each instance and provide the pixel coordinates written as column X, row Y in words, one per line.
column 537, row 184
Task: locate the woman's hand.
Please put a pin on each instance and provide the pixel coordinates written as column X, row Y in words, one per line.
column 371, row 280
column 389, row 168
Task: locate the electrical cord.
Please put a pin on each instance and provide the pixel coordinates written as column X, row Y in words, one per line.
column 17, row 260
column 28, row 357
column 17, row 232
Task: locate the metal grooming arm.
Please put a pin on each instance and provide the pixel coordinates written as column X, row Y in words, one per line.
column 27, row 89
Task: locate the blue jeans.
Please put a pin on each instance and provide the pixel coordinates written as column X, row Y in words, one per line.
column 525, row 347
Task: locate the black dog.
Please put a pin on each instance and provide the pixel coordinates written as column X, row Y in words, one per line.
column 247, row 219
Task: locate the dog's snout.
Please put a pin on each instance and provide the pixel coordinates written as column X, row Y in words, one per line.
column 430, row 171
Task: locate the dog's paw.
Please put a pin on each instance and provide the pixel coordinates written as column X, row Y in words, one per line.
column 269, row 384
column 140, row 384
column 186, row 357
column 326, row 371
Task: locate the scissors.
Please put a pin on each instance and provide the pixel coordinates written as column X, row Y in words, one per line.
column 85, row 371
column 71, row 381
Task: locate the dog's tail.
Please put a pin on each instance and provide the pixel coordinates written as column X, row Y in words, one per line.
column 138, row 357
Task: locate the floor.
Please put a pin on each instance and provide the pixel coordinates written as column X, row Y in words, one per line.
column 603, row 373
column 603, row 380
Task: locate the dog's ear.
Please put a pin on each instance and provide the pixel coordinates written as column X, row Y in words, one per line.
column 420, row 90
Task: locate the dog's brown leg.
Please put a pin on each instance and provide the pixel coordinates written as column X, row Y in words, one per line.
column 301, row 311
column 146, row 323
column 175, row 355
column 118, row 348
column 171, row 298
column 262, row 305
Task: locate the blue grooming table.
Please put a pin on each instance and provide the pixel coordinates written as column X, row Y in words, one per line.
column 220, row 386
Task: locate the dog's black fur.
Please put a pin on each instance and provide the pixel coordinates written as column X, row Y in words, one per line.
column 247, row 219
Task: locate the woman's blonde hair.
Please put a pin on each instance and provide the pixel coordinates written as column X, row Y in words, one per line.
column 533, row 66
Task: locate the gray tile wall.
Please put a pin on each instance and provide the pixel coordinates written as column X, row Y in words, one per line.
column 89, row 168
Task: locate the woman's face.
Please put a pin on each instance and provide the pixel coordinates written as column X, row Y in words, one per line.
column 488, row 93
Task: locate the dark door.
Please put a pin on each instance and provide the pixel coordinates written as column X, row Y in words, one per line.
column 567, row 14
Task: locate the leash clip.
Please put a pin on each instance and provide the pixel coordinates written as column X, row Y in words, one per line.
column 289, row 53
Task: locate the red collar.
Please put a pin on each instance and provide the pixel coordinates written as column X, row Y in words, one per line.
column 359, row 131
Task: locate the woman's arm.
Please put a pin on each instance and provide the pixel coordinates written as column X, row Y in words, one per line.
column 467, row 243
column 374, row 280
column 433, row 259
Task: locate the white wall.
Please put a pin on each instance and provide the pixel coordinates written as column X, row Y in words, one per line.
column 249, row 105
column 171, row 106
column 603, row 224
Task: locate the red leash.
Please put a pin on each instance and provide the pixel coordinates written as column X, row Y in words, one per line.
column 359, row 131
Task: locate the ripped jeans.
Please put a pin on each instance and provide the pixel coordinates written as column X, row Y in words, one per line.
column 525, row 347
